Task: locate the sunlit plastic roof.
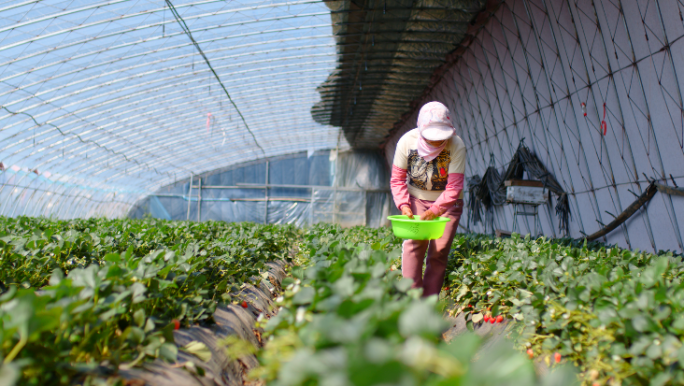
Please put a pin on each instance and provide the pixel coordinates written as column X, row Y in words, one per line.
column 103, row 102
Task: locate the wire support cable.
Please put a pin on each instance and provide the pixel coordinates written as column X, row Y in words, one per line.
column 185, row 29
column 87, row 141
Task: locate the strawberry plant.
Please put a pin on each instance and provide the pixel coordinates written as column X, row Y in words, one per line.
column 617, row 314
column 347, row 318
column 82, row 298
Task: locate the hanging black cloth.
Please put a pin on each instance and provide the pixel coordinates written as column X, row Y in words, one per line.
column 486, row 191
column 490, row 191
column 526, row 161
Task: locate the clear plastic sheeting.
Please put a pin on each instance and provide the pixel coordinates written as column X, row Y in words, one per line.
column 346, row 188
column 104, row 102
column 595, row 88
column 26, row 192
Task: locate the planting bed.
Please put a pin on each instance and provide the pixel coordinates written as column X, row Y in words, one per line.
column 347, row 318
column 164, row 303
column 92, row 300
column 617, row 314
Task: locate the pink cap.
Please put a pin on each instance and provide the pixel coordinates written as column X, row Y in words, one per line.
column 434, row 122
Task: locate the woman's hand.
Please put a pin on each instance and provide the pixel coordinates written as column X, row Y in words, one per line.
column 406, row 211
column 429, row 215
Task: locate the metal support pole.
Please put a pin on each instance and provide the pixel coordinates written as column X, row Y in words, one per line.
column 266, row 196
column 520, row 209
column 199, row 199
column 365, row 208
column 335, row 183
column 187, row 218
column 311, row 207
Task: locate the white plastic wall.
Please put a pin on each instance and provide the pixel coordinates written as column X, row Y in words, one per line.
column 528, row 73
column 347, row 188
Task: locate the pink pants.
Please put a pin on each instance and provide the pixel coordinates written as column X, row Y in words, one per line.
column 413, row 251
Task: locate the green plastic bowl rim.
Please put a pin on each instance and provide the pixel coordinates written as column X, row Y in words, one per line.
column 402, row 218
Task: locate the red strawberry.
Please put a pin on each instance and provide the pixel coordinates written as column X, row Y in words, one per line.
column 492, row 320
column 176, row 324
column 530, row 353
column 557, row 357
column 486, row 318
column 499, row 319
column 244, row 304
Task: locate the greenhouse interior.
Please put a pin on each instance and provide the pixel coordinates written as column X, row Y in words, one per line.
column 341, row 192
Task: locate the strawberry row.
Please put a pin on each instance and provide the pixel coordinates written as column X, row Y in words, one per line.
column 78, row 297
column 617, row 314
column 346, row 317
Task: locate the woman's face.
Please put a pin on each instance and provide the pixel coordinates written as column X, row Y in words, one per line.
column 435, row 143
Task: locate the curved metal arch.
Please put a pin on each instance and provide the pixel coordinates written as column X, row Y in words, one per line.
column 218, row 136
column 97, row 164
column 166, row 128
column 40, row 195
column 192, row 135
column 108, row 21
column 7, row 8
column 56, row 135
column 117, row 129
column 76, row 112
column 283, row 149
column 157, row 51
column 127, row 96
column 20, row 193
column 274, row 150
column 153, row 63
column 139, row 42
column 95, row 184
column 93, row 88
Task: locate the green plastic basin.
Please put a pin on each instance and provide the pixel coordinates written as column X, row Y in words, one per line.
column 406, row 228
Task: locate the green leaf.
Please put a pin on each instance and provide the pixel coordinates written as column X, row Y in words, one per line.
column 654, row 351
column 660, row 379
column 139, row 317
column 135, row 334
column 304, row 296
column 643, row 323
column 680, row 357
column 198, row 349
column 138, row 292
column 149, row 325
column 404, row 284
column 113, row 257
column 168, row 352
column 420, row 318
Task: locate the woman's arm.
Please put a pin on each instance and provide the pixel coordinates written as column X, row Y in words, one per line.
column 398, row 187
column 398, row 180
column 449, row 196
